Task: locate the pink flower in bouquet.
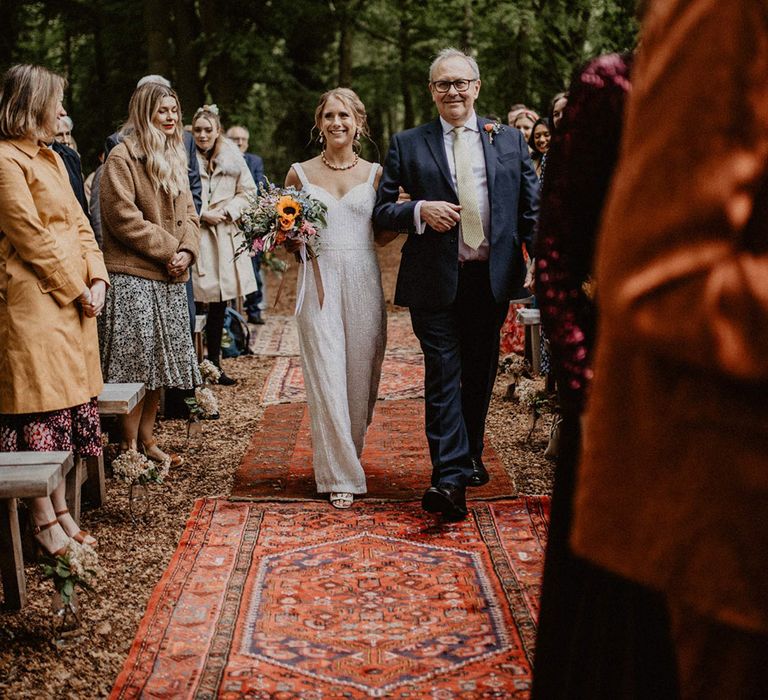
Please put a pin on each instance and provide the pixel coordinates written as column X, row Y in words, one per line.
column 308, row 229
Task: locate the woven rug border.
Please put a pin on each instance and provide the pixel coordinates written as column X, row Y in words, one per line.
column 177, row 570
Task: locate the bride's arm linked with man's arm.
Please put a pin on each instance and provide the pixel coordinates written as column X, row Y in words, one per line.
column 384, row 236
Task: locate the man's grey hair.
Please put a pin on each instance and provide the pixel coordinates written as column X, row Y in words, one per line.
column 450, row 52
column 67, row 123
column 239, row 126
column 154, row 79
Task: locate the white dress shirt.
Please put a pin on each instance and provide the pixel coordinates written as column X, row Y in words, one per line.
column 472, row 136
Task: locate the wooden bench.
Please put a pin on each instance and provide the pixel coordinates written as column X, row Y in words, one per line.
column 200, row 322
column 27, row 475
column 531, row 319
column 114, row 400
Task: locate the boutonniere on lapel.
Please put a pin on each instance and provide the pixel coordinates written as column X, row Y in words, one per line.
column 492, row 128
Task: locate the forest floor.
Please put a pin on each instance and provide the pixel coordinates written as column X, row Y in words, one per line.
column 135, row 555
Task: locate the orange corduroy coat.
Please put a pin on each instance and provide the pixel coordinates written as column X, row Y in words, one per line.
column 673, row 483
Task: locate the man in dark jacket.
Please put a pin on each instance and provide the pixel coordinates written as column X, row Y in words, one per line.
column 240, row 136
column 71, row 161
column 75, row 171
column 474, row 200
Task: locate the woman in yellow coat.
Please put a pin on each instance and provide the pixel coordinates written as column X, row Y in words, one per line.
column 52, row 286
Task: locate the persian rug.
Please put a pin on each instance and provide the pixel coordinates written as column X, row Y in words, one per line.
column 402, row 377
column 278, row 338
column 303, row 601
column 278, row 462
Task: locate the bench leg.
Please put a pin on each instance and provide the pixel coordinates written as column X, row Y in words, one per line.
column 11, row 559
column 95, row 489
column 74, row 481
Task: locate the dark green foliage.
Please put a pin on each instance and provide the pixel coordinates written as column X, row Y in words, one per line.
column 265, row 62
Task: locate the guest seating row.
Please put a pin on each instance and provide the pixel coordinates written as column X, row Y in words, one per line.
column 37, row 474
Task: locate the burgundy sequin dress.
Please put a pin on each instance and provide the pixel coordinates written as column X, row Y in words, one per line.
column 599, row 635
column 579, row 168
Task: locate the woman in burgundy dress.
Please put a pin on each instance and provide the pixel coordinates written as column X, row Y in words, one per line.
column 598, row 634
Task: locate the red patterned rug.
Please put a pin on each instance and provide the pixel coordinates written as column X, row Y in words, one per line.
column 402, row 377
column 278, row 336
column 303, row 601
column 278, row 462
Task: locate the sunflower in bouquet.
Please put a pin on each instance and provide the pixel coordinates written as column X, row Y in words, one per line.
column 275, row 215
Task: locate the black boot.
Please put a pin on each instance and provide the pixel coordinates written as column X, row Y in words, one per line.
column 224, row 380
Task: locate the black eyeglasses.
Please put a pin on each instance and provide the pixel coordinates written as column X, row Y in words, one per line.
column 461, row 85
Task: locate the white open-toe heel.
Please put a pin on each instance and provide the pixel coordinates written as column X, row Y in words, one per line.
column 341, row 499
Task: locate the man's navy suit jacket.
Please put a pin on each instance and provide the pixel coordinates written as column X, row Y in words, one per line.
column 428, row 276
column 256, row 166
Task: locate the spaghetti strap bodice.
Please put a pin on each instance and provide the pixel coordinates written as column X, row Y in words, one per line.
column 349, row 217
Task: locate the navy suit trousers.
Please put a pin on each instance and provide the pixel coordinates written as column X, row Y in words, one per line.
column 460, row 343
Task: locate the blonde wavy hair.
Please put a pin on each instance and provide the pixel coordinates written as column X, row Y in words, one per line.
column 28, row 100
column 353, row 103
column 166, row 157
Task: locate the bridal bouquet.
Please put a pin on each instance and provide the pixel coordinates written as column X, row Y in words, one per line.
column 279, row 214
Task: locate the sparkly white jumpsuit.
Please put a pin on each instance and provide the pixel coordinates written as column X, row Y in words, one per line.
column 342, row 344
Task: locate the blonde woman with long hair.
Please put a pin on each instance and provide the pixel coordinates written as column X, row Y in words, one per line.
column 51, row 289
column 151, row 234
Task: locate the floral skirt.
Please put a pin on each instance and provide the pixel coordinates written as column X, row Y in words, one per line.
column 144, row 334
column 75, row 429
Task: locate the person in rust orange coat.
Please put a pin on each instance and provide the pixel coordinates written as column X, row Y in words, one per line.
column 673, row 482
column 52, row 286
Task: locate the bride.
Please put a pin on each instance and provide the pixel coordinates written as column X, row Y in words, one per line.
column 342, row 343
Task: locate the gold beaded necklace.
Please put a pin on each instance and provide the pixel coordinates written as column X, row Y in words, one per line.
column 339, row 167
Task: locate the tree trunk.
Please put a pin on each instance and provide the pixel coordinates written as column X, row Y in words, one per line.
column 467, row 26
column 404, row 42
column 100, row 62
column 9, row 37
column 219, row 83
column 345, row 52
column 67, row 56
column 157, row 26
column 188, row 55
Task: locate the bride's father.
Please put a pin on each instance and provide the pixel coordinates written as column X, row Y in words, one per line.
column 474, row 199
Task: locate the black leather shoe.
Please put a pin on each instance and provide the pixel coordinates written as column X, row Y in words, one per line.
column 256, row 318
column 224, row 380
column 447, row 499
column 480, row 476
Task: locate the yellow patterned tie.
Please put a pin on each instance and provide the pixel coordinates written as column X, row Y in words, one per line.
column 471, row 223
